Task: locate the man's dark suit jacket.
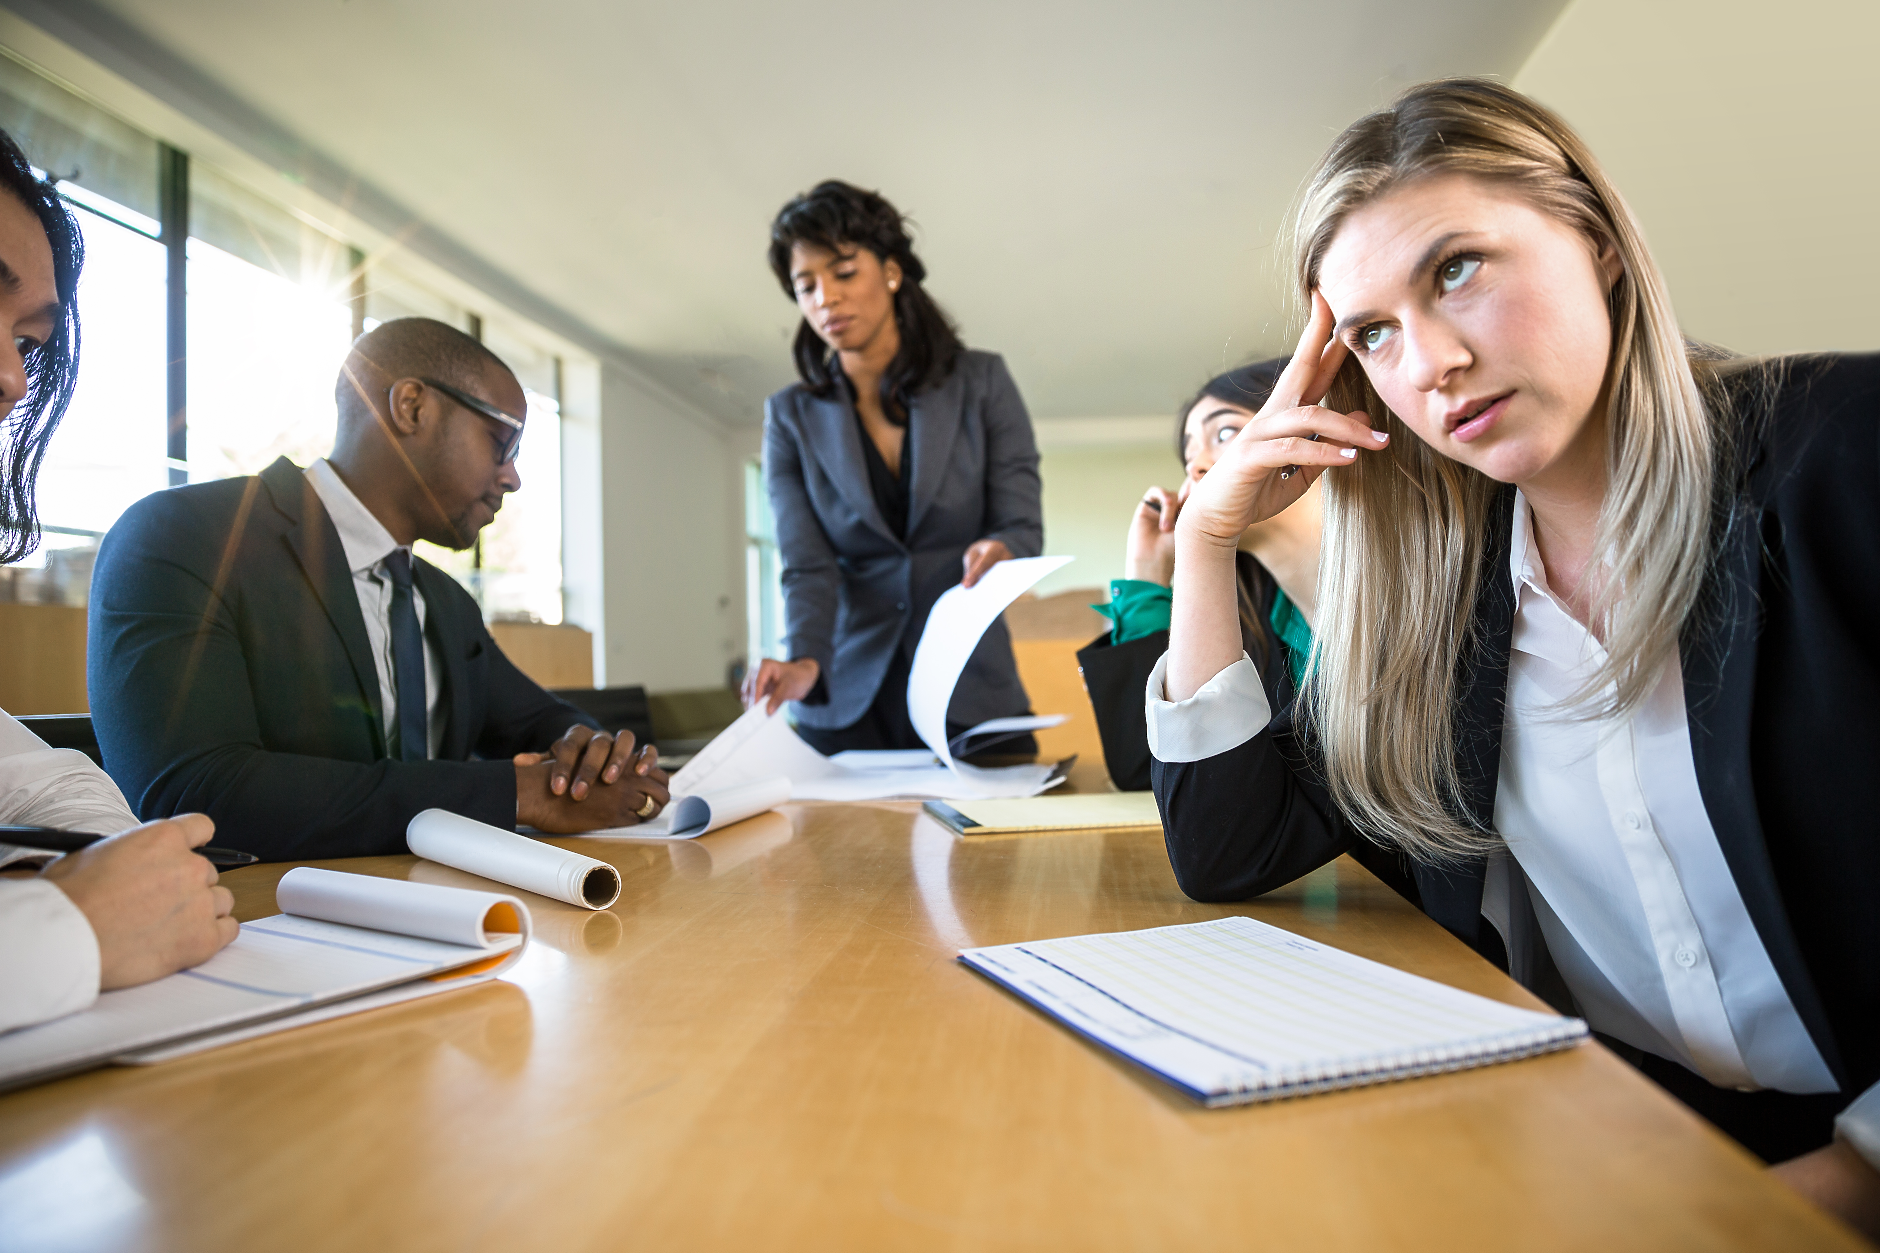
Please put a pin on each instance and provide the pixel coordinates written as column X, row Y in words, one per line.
column 230, row 674
column 1782, row 689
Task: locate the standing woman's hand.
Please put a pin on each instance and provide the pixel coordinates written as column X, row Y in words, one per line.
column 980, row 558
column 1262, row 470
column 1149, row 554
column 780, row 681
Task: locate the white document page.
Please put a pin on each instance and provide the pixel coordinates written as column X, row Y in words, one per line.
column 277, row 967
column 988, row 734
column 959, row 619
column 762, row 748
column 1235, row 1010
column 689, row 817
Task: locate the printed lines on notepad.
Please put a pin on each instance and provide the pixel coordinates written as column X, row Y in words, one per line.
column 1256, row 993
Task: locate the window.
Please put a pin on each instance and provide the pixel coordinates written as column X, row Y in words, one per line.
column 763, row 569
column 269, row 324
column 272, row 300
column 110, row 449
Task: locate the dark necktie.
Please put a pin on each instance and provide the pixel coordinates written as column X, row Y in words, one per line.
column 407, row 662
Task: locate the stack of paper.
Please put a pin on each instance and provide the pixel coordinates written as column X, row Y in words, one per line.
column 761, row 749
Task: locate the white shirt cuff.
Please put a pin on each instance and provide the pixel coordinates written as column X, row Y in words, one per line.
column 52, row 966
column 1859, row 1125
column 1229, row 710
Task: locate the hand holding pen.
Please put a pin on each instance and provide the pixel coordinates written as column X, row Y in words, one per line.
column 152, row 902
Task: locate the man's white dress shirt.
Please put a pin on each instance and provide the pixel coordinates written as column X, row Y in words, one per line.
column 1606, row 825
column 367, row 544
column 51, row 961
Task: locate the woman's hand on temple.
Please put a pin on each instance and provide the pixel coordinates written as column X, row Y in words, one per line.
column 1149, row 554
column 980, row 558
column 1279, row 454
column 780, row 681
column 1261, row 471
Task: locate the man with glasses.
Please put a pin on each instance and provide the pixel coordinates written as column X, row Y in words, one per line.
column 269, row 651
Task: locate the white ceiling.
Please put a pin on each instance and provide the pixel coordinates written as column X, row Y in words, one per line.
column 1097, row 185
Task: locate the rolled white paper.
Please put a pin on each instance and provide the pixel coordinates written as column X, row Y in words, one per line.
column 426, row 910
column 506, row 857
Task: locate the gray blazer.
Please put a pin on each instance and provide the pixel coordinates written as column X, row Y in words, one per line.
column 851, row 590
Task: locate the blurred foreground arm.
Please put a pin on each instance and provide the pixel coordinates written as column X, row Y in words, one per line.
column 125, row 911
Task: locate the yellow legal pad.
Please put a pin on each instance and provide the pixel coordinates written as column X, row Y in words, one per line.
column 1096, row 810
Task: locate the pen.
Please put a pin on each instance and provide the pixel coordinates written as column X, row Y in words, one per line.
column 55, row 840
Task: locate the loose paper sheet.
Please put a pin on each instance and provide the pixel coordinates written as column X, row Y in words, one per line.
column 762, row 747
column 689, row 817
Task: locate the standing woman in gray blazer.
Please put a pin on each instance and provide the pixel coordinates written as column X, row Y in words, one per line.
column 902, row 463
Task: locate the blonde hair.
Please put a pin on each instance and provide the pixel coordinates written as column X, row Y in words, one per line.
column 1406, row 529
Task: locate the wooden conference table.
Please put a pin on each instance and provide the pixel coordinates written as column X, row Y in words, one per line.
column 766, row 1044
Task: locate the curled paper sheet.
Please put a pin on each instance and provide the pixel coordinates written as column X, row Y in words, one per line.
column 760, row 746
column 448, row 915
column 954, row 627
column 694, row 815
column 506, row 857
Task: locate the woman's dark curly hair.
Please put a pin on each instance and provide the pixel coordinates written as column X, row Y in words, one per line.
column 837, row 216
column 51, row 367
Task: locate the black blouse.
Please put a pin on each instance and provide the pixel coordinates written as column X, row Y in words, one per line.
column 889, row 487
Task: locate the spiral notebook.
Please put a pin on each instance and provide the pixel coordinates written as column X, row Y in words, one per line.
column 1234, row 1010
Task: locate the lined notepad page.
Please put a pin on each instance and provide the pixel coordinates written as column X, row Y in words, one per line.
column 277, row 965
column 1235, row 1010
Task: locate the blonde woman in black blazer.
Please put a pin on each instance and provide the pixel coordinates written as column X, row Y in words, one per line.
column 1595, row 645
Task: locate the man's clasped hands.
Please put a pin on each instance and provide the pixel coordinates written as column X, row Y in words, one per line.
column 588, row 780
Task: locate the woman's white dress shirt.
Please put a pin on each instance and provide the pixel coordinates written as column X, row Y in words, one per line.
column 51, row 965
column 1604, row 819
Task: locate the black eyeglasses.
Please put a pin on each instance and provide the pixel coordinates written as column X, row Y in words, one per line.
column 511, row 442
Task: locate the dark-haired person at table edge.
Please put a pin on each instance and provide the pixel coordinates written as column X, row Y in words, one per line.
column 141, row 904
column 901, row 465
column 1276, row 571
column 269, row 651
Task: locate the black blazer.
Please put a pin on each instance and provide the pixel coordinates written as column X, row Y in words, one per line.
column 1117, row 675
column 1782, row 686
column 230, row 674
column 853, row 591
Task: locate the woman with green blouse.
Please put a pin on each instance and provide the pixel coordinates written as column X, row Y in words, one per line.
column 1278, row 567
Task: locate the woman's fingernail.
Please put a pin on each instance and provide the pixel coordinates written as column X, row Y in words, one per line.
column 1380, row 436
column 1347, row 452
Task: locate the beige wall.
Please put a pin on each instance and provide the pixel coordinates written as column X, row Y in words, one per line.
column 1743, row 135
column 1089, row 494
column 663, row 559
